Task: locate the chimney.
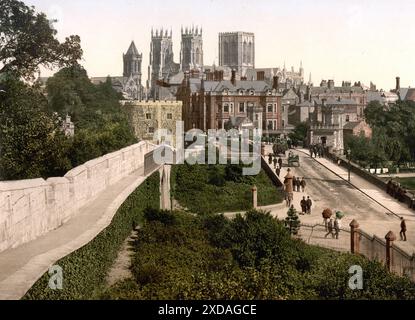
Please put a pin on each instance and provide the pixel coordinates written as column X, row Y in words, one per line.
column 260, row 75
column 233, row 79
column 275, row 82
column 398, row 84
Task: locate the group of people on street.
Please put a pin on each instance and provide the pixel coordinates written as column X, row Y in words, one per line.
column 306, row 205
column 277, row 163
column 395, row 189
column 316, row 150
column 299, row 185
column 333, row 228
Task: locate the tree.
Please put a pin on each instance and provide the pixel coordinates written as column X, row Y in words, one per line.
column 32, row 144
column 28, row 41
column 292, row 222
column 299, row 133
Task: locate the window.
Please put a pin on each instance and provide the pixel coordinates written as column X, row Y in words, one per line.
column 270, row 109
column 270, row 125
column 241, row 107
column 151, row 130
column 252, row 92
column 148, row 116
column 169, row 116
column 226, row 108
column 283, row 123
column 347, row 118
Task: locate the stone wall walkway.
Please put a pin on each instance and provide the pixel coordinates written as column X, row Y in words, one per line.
column 21, row 267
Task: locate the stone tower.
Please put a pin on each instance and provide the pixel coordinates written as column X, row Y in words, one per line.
column 237, row 51
column 132, row 63
column 161, row 65
column 191, row 54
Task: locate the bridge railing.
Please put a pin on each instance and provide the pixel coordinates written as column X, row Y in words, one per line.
column 372, row 247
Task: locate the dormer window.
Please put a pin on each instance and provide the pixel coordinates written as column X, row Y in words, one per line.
column 251, row 92
column 241, row 92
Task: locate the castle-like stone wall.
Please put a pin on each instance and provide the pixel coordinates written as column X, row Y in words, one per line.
column 31, row 208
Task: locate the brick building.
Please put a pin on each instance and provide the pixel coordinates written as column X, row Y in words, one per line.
column 224, row 104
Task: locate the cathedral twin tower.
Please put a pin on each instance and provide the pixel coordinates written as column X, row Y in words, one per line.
column 162, row 65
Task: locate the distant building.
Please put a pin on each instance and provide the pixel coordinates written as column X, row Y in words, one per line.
column 383, row 97
column 405, row 94
column 287, row 79
column 237, row 51
column 191, row 54
column 68, row 127
column 147, row 117
column 162, row 65
column 129, row 84
column 225, row 104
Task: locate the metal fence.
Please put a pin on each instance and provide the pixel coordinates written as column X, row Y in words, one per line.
column 316, row 235
column 372, row 247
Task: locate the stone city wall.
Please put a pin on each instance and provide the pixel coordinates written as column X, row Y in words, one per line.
column 31, row 208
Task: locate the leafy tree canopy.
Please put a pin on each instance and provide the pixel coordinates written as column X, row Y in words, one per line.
column 28, row 41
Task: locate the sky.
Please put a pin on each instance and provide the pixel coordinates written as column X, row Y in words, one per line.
column 365, row 40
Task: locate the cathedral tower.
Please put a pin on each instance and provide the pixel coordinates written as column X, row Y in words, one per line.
column 161, row 65
column 132, row 63
column 191, row 54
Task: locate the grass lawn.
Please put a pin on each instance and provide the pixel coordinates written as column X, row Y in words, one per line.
column 220, row 188
column 408, row 183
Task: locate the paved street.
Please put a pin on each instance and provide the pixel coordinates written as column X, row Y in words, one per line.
column 329, row 190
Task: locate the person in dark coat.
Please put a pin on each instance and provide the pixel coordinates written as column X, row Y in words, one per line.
column 303, row 205
column 295, row 184
column 311, row 151
column 275, row 161
column 298, row 185
column 403, row 229
column 309, row 205
column 280, row 162
column 270, row 158
column 303, row 184
column 278, row 171
column 389, row 187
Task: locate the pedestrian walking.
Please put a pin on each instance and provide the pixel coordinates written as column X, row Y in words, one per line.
column 298, row 184
column 270, row 158
column 278, row 171
column 327, row 213
column 389, row 187
column 280, row 162
column 330, row 228
column 303, row 184
column 303, row 204
column 311, row 151
column 309, row 205
column 403, row 229
column 337, row 227
column 275, row 161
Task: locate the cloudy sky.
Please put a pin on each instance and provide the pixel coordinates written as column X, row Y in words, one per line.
column 366, row 40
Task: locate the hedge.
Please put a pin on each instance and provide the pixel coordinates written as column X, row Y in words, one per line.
column 85, row 270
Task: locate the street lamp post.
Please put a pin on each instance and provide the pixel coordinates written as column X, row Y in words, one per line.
column 348, row 156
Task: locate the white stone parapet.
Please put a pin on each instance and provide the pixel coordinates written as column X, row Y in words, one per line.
column 31, row 208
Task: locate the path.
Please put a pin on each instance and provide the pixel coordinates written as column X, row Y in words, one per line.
column 23, row 266
column 327, row 187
